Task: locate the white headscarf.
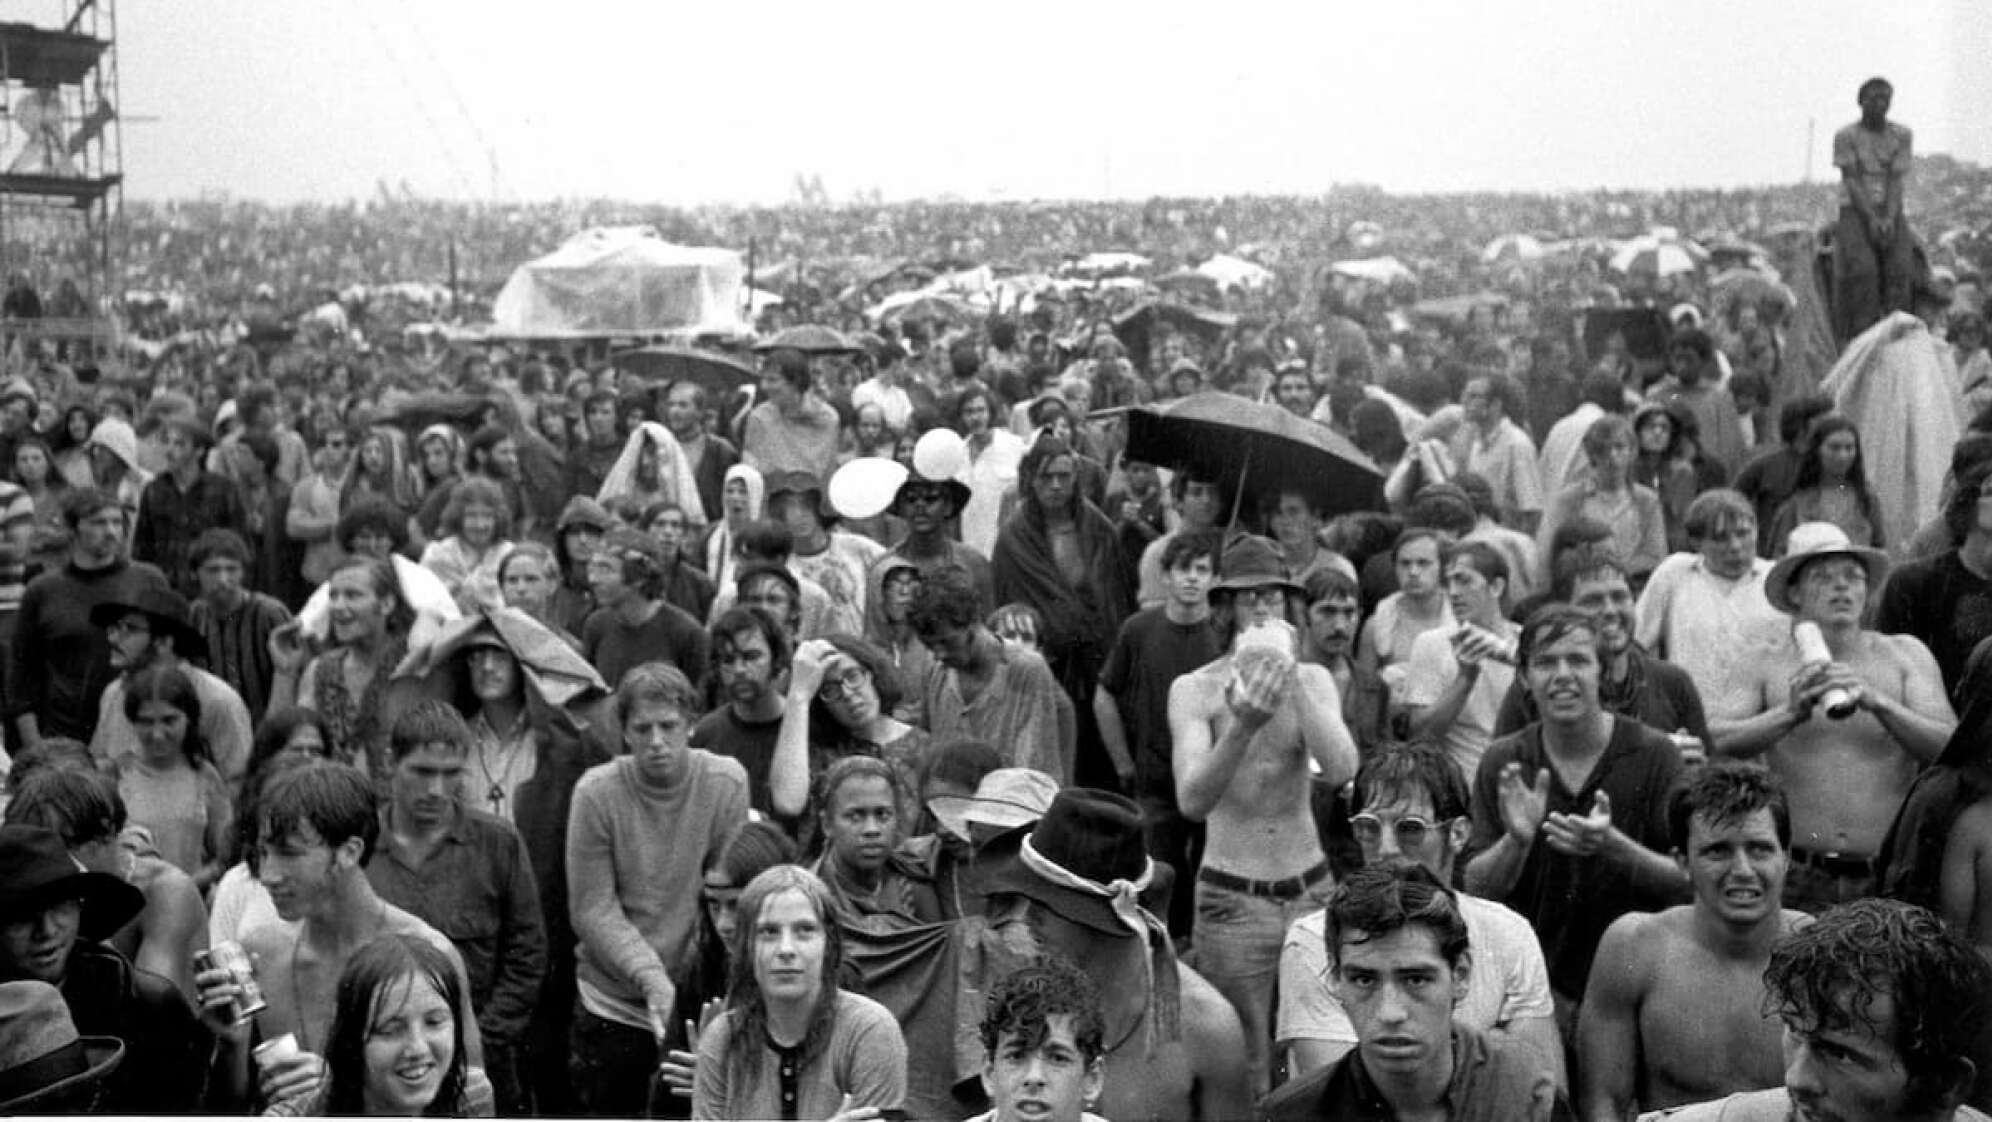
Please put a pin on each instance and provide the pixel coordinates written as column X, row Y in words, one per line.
column 675, row 481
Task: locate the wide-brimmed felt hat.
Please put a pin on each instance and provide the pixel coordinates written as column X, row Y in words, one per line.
column 44, row 1062
column 1252, row 562
column 1809, row 542
column 167, row 610
column 958, row 492
column 1006, row 799
column 1084, row 851
column 36, row 870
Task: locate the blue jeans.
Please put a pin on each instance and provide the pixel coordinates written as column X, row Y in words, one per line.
column 1237, row 941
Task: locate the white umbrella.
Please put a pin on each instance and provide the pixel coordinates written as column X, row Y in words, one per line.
column 1101, row 264
column 1519, row 247
column 1235, row 272
column 1658, row 255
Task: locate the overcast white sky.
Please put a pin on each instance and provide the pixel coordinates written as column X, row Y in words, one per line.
column 680, row 101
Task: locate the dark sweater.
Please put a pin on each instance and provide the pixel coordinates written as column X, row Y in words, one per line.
column 62, row 661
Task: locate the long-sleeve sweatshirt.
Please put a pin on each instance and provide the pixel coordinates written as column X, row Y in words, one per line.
column 635, row 860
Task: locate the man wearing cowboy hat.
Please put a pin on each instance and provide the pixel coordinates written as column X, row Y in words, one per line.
column 153, row 627
column 53, row 916
column 929, row 508
column 1173, row 1045
column 46, row 1066
column 1845, row 776
column 1249, row 729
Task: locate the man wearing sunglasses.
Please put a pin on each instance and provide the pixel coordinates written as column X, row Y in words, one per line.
column 1410, row 805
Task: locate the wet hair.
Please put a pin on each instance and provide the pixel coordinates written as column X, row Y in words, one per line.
column 171, row 685
column 1188, row 545
column 972, row 391
column 336, row 801
column 1022, row 1003
column 218, row 541
column 657, row 683
column 54, row 752
column 1479, row 492
column 855, row 767
column 371, row 978
column 1724, row 793
column 1331, row 584
column 1375, row 429
column 87, row 502
column 372, row 514
column 947, row 598
column 1604, row 391
column 1399, row 768
column 1552, row 623
column 1695, row 339
column 961, row 763
column 1873, row 83
column 884, row 676
column 81, row 805
column 1481, row 558
column 641, row 559
column 1714, row 509
column 746, row 1042
column 754, row 848
column 1439, row 539
column 1827, row 976
column 1811, row 467
column 1796, row 415
column 792, row 365
column 764, row 539
column 1442, row 507
column 742, row 619
column 1583, row 561
column 431, row 722
column 478, row 491
column 1379, row 900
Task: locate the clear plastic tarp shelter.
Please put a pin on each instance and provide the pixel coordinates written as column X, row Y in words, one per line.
column 623, row 281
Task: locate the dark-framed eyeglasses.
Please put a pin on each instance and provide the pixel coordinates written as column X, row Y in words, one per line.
column 842, row 685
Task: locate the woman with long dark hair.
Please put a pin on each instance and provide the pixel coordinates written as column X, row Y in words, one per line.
column 1832, row 486
column 167, row 779
column 788, row 1029
column 396, row 1048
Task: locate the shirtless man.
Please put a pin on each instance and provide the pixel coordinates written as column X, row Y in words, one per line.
column 1845, row 777
column 317, row 831
column 1674, row 1012
column 1058, row 897
column 1245, row 731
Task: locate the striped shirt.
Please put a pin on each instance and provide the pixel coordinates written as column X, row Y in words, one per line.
column 239, row 646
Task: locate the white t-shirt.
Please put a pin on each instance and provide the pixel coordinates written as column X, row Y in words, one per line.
column 1717, row 630
column 1508, row 982
column 1431, row 668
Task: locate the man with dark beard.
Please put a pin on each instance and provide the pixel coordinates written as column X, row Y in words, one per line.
column 1060, row 555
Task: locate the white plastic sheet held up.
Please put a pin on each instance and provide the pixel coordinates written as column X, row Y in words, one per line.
column 622, row 281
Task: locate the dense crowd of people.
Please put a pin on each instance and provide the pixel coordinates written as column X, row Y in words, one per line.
column 399, row 725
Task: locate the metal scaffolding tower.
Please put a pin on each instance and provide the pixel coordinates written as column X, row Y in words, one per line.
column 61, row 178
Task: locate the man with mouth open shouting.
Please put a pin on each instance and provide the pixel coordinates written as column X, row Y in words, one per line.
column 1674, row 1012
column 1846, row 770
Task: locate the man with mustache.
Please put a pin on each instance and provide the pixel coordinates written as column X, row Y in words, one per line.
column 1846, row 773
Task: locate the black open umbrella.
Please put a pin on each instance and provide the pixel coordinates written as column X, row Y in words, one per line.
column 719, row 373
column 1256, row 449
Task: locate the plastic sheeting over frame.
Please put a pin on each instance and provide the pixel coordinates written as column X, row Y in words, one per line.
column 622, row 281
